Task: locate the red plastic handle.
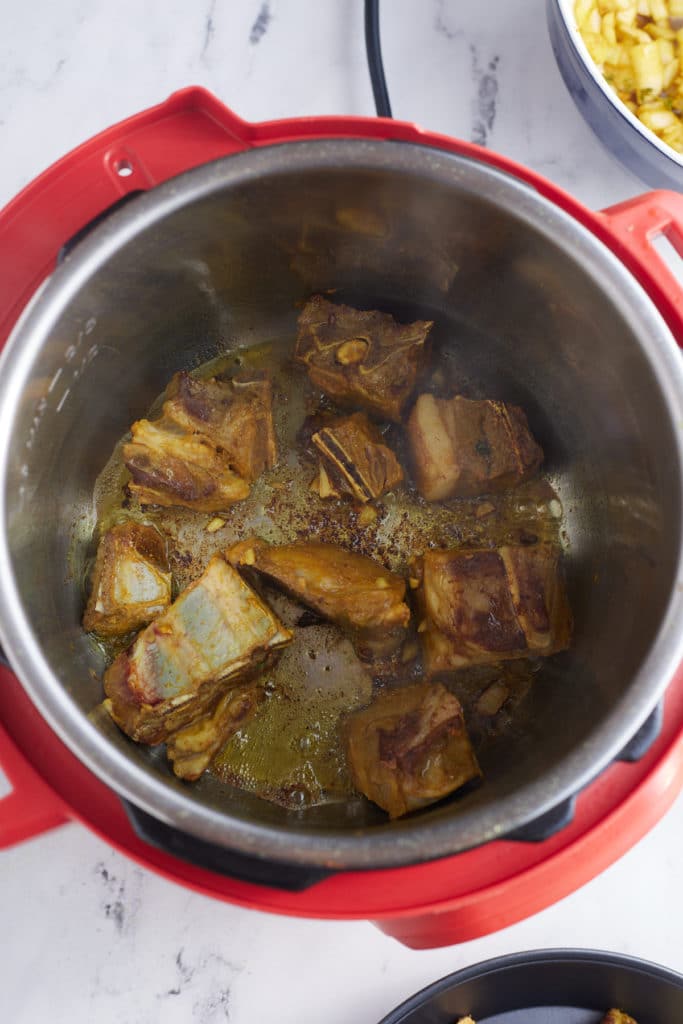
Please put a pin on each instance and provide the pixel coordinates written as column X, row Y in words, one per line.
column 31, row 807
column 190, row 128
column 632, row 226
column 193, row 127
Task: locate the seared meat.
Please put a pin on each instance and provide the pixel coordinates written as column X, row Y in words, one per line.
column 131, row 581
column 410, row 748
column 361, row 358
column 462, row 448
column 235, row 415
column 356, row 459
column 357, row 593
column 323, row 485
column 169, row 467
column 192, row 749
column 215, row 633
column 486, row 606
column 538, row 595
column 212, row 440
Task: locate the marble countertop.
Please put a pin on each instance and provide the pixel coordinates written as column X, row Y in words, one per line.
column 87, row 935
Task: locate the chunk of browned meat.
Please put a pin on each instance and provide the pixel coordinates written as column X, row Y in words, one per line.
column 538, row 595
column 236, row 415
column 410, row 748
column 462, row 448
column 356, row 458
column 215, row 634
column 192, row 749
column 212, row 440
column 173, row 468
column 357, row 593
column 131, row 581
column 361, row 358
column 617, row 1017
column 486, row 606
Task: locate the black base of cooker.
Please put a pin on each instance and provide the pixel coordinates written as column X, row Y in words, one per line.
column 546, row 825
column 296, row 878
column 274, row 874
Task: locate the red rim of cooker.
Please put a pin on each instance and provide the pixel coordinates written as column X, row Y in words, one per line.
column 426, row 905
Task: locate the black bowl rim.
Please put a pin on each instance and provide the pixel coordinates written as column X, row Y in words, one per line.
column 488, row 970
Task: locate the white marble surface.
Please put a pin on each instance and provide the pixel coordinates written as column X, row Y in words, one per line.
column 86, row 935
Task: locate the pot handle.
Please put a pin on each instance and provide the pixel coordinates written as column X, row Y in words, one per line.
column 190, row 128
column 633, row 226
column 31, row 807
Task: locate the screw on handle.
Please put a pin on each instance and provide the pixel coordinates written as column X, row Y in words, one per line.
column 553, row 821
column 30, row 807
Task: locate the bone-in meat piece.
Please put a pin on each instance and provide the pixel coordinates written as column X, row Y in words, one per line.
column 212, row 440
column 131, row 581
column 235, row 414
column 485, row 606
column 356, row 592
column 173, row 468
column 410, row 748
column 192, row 749
column 215, row 634
column 361, row 358
column 463, row 448
column 356, row 458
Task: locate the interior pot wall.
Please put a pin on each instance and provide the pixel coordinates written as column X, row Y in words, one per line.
column 526, row 319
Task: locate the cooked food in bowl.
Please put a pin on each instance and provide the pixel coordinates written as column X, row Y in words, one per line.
column 308, row 651
column 638, row 47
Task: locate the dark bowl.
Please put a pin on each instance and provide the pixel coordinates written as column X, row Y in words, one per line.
column 549, row 986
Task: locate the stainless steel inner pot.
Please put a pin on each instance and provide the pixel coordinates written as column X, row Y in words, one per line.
column 536, row 309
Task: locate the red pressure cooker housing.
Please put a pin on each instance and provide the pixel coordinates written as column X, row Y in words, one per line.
column 426, row 905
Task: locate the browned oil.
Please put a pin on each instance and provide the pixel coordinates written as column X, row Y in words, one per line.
column 292, row 752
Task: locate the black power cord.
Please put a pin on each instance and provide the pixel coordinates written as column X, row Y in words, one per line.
column 374, row 52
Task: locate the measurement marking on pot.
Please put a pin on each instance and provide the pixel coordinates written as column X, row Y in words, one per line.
column 54, row 380
column 62, row 400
